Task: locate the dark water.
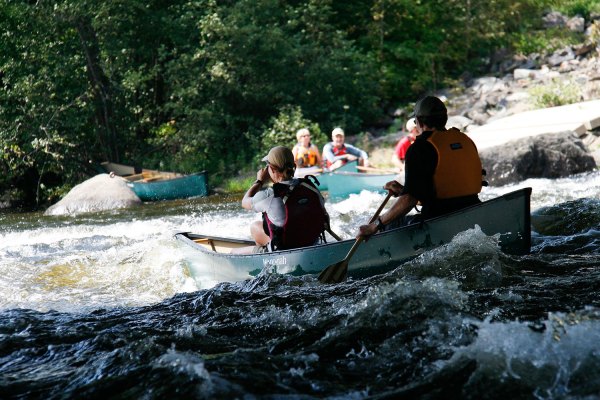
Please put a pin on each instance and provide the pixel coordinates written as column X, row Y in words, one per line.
column 101, row 306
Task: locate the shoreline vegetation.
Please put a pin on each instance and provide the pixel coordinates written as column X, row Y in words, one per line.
column 190, row 86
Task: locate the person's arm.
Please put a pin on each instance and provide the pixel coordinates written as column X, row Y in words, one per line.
column 262, row 177
column 355, row 151
column 328, row 153
column 400, row 208
column 394, row 186
column 298, row 161
column 319, row 159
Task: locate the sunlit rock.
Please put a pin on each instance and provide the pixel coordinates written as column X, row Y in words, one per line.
column 96, row 194
column 554, row 155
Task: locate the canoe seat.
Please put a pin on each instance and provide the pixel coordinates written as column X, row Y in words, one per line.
column 206, row 241
column 154, row 178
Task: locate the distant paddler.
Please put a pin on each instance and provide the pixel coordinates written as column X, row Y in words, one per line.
column 337, row 153
column 306, row 154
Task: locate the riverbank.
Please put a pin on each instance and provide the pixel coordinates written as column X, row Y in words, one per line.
column 516, row 84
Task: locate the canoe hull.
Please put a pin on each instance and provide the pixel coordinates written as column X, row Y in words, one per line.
column 342, row 184
column 176, row 188
column 508, row 216
column 154, row 185
column 324, row 176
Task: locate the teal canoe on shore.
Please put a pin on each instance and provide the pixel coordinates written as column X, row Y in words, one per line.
column 154, row 185
column 209, row 261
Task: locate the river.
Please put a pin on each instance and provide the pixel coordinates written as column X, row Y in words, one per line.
column 101, row 306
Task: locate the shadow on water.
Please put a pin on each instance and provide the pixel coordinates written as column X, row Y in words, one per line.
column 405, row 333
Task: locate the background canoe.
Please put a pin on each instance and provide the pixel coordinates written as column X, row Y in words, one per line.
column 324, row 175
column 122, row 169
column 342, row 183
column 509, row 216
column 171, row 188
column 154, row 185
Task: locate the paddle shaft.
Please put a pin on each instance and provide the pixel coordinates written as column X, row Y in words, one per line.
column 332, row 233
column 380, row 207
column 373, row 218
column 337, row 272
column 352, row 250
column 310, row 171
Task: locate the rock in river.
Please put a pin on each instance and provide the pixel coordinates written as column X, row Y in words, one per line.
column 96, row 194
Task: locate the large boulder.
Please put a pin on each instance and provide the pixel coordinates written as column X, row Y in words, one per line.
column 553, row 155
column 96, row 194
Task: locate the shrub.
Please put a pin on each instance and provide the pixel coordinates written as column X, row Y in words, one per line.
column 556, row 93
column 577, row 7
column 284, row 126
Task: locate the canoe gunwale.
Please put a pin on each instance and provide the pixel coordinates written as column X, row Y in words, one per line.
column 365, row 174
column 171, row 179
column 186, row 238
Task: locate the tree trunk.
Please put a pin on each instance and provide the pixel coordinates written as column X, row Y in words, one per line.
column 101, row 89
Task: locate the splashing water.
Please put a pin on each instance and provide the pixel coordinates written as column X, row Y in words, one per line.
column 102, row 305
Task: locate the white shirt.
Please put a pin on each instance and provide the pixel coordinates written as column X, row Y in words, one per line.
column 265, row 201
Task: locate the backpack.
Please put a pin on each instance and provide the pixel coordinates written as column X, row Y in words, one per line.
column 305, row 216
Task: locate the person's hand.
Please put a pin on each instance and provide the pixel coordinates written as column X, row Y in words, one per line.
column 366, row 231
column 351, row 157
column 263, row 175
column 366, row 163
column 394, row 187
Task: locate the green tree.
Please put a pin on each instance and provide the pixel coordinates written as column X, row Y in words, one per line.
column 254, row 58
column 283, row 128
column 187, row 85
column 43, row 113
column 81, row 81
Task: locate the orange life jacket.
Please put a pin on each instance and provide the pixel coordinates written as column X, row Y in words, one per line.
column 458, row 171
column 309, row 156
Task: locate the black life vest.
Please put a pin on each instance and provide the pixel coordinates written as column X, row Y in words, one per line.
column 305, row 216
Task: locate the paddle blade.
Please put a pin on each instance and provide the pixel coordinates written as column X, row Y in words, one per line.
column 335, row 273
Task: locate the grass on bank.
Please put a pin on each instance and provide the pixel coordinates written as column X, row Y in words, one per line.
column 237, row 184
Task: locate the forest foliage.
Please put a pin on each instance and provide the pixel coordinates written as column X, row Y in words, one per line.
column 190, row 85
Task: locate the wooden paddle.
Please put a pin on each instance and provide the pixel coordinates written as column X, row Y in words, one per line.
column 337, row 272
column 332, row 233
